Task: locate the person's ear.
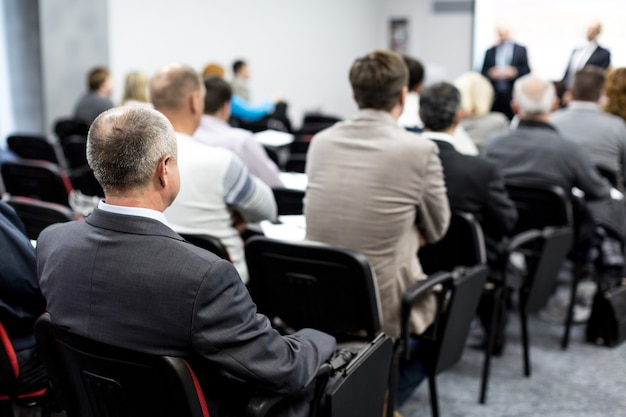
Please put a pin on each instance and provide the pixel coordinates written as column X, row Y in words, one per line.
column 514, row 107
column 458, row 116
column 402, row 97
column 163, row 171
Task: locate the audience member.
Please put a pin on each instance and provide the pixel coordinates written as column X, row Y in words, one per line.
column 477, row 96
column 378, row 189
column 410, row 118
column 136, row 89
column 504, row 63
column 125, row 278
column 217, row 194
column 213, row 69
column 590, row 53
column 21, row 301
column 615, row 92
column 535, row 151
column 97, row 99
column 600, row 135
column 214, row 130
column 241, row 74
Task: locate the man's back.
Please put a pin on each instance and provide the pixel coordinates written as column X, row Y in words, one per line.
column 366, row 179
column 600, row 135
column 90, row 106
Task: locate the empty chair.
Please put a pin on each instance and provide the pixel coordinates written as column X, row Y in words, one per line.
column 33, row 147
column 68, row 127
column 75, row 151
column 288, row 201
column 36, row 179
column 207, row 242
column 37, row 215
column 9, row 373
column 92, row 379
column 443, row 342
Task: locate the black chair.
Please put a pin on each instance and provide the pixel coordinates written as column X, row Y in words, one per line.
column 288, row 201
column 273, row 155
column 442, row 344
column 92, row 379
column 310, row 284
column 75, row 151
column 36, row 179
column 540, row 206
column 296, row 163
column 9, row 373
column 37, row 215
column 299, row 146
column 208, row 242
column 67, row 127
column 33, row 147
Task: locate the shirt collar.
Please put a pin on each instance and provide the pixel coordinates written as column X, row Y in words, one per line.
column 587, row 105
column 535, row 123
column 444, row 137
column 133, row 211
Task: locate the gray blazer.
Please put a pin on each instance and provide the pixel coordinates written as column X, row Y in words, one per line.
column 133, row 282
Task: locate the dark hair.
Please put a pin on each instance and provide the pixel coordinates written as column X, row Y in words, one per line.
column 237, row 65
column 377, row 79
column 588, row 83
column 218, row 92
column 97, row 77
column 416, row 72
column 439, row 104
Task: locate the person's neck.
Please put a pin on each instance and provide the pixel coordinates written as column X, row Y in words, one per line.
column 544, row 118
column 449, row 131
column 137, row 201
column 182, row 123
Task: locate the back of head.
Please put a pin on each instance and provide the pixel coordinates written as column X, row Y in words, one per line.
column 588, row 84
column 212, row 69
column 534, row 96
column 477, row 93
column 124, row 145
column 377, row 79
column 218, row 93
column 171, row 84
column 416, row 72
column 439, row 104
column 238, row 66
column 136, row 87
column 97, row 77
column 615, row 90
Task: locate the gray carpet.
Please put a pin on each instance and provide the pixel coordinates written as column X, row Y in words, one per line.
column 585, row 380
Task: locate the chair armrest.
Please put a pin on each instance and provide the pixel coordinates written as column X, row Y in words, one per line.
column 522, row 239
column 411, row 296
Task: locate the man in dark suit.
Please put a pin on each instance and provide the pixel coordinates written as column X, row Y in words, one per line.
column 20, row 299
column 588, row 54
column 504, row 63
column 123, row 277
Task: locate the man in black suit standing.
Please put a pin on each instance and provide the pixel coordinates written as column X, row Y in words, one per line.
column 504, row 63
column 588, row 54
column 124, row 277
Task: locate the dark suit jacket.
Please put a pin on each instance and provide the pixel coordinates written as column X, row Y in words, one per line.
column 519, row 60
column 601, row 57
column 133, row 282
column 476, row 186
column 20, row 299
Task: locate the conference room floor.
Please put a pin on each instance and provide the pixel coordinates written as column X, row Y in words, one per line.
column 586, row 380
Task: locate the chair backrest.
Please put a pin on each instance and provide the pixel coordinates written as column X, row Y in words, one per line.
column 463, row 245
column 36, row 179
column 32, row 147
column 296, row 163
column 457, row 312
column 288, row 201
column 37, row 215
column 299, row 147
column 75, row 151
column 539, row 206
column 544, row 268
column 92, row 379
column 68, row 127
column 310, row 284
column 208, row 242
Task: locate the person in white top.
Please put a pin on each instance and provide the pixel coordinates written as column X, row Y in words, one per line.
column 214, row 130
column 218, row 196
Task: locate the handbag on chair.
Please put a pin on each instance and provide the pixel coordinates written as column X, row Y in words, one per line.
column 607, row 323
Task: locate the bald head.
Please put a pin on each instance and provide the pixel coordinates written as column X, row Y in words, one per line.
column 125, row 144
column 503, row 34
column 533, row 96
column 593, row 30
column 172, row 84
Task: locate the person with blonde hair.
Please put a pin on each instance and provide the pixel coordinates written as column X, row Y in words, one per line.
column 615, row 92
column 477, row 97
column 213, row 69
column 136, row 89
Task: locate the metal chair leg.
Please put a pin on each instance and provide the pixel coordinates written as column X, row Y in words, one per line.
column 525, row 344
column 572, row 302
column 432, row 388
column 491, row 337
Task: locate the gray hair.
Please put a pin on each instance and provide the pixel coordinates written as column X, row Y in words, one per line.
column 125, row 144
column 534, row 96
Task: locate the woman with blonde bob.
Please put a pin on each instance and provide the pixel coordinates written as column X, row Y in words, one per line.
column 477, row 97
column 136, row 89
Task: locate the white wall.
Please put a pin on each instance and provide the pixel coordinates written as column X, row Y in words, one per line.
column 300, row 49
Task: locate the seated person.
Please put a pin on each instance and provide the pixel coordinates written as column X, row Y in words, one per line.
column 214, row 130
column 122, row 276
column 218, row 196
column 410, row 118
column 21, row 301
column 136, row 89
column 97, row 99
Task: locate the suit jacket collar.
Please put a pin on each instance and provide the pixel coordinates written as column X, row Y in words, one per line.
column 130, row 224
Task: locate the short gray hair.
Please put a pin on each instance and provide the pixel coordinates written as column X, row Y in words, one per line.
column 534, row 96
column 125, row 144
